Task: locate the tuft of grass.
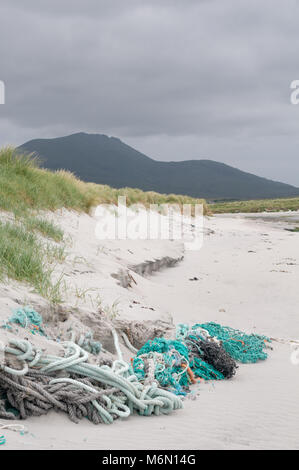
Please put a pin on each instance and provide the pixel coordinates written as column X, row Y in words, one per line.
column 20, row 254
column 24, row 258
column 262, row 205
column 55, row 253
column 45, row 227
column 112, row 311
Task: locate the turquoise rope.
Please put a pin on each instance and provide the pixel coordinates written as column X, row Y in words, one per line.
column 239, row 345
column 26, row 317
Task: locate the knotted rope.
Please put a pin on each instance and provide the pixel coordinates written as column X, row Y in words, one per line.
column 100, row 393
column 239, row 345
column 213, row 354
column 26, row 317
column 205, row 351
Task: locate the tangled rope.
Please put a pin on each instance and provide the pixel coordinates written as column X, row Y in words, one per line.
column 203, row 351
column 175, row 364
column 208, row 352
column 239, row 345
column 26, row 317
column 32, row 397
column 100, row 393
column 166, row 362
column 160, row 370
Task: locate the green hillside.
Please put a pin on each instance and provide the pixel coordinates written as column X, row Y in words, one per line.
column 107, row 160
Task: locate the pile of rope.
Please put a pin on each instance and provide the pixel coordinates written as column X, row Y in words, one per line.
column 72, row 385
column 166, row 362
column 203, row 351
column 159, row 371
column 26, row 317
column 175, row 364
column 239, row 345
column 35, row 395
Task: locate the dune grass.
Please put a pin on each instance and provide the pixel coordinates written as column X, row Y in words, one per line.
column 24, row 185
column 263, row 205
column 20, row 255
column 44, row 227
column 23, row 257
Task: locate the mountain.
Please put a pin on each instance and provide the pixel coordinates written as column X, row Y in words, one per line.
column 107, row 160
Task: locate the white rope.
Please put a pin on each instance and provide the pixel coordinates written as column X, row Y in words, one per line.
column 128, row 344
column 14, row 427
column 116, row 344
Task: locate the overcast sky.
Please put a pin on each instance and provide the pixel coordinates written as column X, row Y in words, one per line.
column 176, row 79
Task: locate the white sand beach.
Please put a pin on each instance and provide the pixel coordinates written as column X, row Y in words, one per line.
column 247, row 277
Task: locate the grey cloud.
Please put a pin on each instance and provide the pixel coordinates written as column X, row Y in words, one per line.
column 206, row 74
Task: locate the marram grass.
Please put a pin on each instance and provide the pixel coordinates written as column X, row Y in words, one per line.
column 25, row 258
column 44, row 227
column 24, row 185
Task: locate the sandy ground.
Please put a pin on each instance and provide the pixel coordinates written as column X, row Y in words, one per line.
column 248, row 273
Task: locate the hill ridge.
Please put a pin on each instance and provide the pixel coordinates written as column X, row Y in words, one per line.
column 108, row 160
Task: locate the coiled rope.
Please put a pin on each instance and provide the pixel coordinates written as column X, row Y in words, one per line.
column 101, row 393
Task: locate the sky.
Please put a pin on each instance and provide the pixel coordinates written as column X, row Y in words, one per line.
column 175, row 79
